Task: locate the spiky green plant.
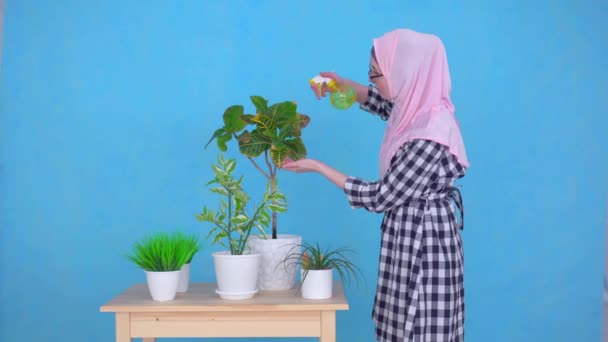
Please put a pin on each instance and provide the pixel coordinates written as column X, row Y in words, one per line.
column 188, row 243
column 163, row 251
column 231, row 222
column 313, row 257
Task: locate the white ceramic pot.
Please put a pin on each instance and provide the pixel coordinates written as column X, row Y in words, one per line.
column 184, row 278
column 317, row 284
column 274, row 274
column 236, row 275
column 162, row 285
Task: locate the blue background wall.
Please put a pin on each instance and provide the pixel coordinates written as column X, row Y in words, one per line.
column 105, row 108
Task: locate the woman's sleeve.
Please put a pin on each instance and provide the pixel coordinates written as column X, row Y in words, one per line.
column 409, row 176
column 376, row 105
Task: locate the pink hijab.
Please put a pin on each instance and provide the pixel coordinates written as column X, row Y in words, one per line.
column 416, row 69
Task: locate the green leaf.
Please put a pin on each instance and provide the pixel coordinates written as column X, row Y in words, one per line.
column 241, row 196
column 239, row 219
column 279, row 145
column 282, row 112
column 218, row 171
column 263, row 220
column 220, row 191
column 222, row 140
column 262, row 121
column 247, row 118
column 277, row 208
column 293, row 127
column 265, row 215
column 296, row 147
column 261, row 104
column 232, row 119
column 278, row 156
column 238, row 204
column 253, row 144
column 216, row 134
column 220, row 235
column 302, row 120
column 270, row 133
column 230, row 166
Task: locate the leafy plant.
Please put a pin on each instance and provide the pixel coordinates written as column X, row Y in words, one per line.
column 312, row 257
column 274, row 131
column 231, row 221
column 164, row 252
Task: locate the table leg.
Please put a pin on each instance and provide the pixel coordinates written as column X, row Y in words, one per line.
column 328, row 326
column 123, row 330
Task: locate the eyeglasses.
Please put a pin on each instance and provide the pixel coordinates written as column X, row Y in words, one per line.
column 372, row 74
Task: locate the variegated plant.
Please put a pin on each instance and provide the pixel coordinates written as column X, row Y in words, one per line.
column 232, row 223
column 274, row 132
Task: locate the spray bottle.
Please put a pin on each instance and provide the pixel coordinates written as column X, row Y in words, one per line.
column 342, row 96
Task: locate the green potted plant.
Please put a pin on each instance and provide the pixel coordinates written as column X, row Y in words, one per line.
column 267, row 138
column 318, row 267
column 161, row 255
column 191, row 245
column 237, row 267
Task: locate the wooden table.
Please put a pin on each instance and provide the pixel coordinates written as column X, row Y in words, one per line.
column 201, row 313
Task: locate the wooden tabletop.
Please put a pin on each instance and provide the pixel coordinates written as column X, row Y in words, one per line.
column 202, row 297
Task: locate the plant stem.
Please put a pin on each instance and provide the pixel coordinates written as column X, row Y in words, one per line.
column 272, row 174
column 229, row 222
column 258, row 167
column 253, row 161
column 274, row 224
column 273, row 181
column 249, row 228
column 274, row 213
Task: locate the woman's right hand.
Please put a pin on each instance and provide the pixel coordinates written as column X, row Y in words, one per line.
column 321, row 91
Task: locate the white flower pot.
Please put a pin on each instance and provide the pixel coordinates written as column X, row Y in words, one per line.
column 162, row 285
column 317, row 284
column 274, row 274
column 184, row 278
column 236, row 275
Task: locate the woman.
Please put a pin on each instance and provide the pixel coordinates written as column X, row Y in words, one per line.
column 420, row 292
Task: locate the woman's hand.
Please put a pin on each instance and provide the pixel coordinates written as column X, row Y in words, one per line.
column 322, row 90
column 301, row 165
column 360, row 89
column 311, row 165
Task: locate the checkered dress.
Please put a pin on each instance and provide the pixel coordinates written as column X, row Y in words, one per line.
column 420, row 289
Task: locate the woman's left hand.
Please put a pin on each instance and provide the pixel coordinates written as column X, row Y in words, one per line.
column 301, row 165
column 311, row 165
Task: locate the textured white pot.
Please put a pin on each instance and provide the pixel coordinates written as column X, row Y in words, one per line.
column 162, row 285
column 184, row 278
column 274, row 274
column 236, row 275
column 317, row 284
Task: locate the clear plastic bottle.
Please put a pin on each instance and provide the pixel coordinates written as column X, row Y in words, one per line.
column 341, row 96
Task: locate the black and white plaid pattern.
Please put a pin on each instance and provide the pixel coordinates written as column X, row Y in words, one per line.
column 420, row 289
column 376, row 104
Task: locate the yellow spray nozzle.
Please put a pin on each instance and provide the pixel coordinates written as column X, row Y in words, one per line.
column 319, row 81
column 332, row 85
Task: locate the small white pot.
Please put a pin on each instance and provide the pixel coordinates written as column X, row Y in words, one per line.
column 162, row 285
column 236, row 275
column 317, row 284
column 274, row 274
column 184, row 278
